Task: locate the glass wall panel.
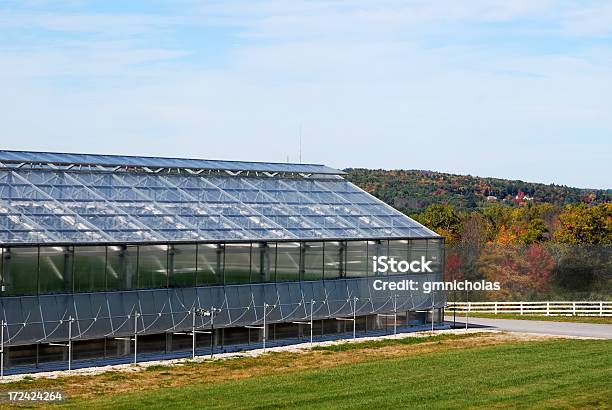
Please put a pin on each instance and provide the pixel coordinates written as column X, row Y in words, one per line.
column 356, row 259
column 335, row 263
column 182, row 265
column 89, row 271
column 97, row 268
column 210, row 264
column 418, row 249
column 121, row 267
column 435, row 249
column 313, row 261
column 398, row 250
column 55, row 269
column 20, row 268
column 263, row 262
column 376, row 249
column 153, row 266
column 237, row 263
column 288, row 261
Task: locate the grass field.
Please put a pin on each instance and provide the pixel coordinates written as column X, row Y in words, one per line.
column 574, row 319
column 478, row 371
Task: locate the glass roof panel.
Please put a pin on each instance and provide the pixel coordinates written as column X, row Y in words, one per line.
column 55, row 206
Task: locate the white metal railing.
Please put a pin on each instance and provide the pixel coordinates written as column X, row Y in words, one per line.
column 535, row 308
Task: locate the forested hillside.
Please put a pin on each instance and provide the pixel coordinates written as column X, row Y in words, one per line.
column 464, row 208
column 541, row 242
column 412, row 190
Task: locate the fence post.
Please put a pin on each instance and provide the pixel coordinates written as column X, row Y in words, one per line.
column 600, row 308
column 521, row 308
column 495, row 307
column 573, row 308
column 467, row 299
column 547, row 308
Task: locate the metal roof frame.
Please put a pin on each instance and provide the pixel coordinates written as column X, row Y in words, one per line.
column 67, row 161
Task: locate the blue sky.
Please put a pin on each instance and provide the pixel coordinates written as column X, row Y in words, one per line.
column 512, row 89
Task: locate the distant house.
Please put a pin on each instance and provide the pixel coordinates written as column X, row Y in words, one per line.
column 521, row 198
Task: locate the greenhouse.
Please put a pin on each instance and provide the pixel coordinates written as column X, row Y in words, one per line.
column 109, row 259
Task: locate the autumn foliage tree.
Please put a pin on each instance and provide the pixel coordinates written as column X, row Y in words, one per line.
column 536, row 251
column 583, row 224
column 444, row 220
column 522, row 271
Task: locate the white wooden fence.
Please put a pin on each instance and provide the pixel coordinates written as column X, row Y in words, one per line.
column 535, row 308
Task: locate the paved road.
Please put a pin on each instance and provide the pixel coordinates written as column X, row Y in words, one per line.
column 538, row 326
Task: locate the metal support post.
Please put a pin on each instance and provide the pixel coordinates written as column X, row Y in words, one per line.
column 433, row 309
column 311, row 320
column 395, row 314
column 355, row 299
column 136, row 314
column 70, row 320
column 193, row 334
column 212, row 332
column 264, row 326
column 202, row 312
column 2, row 350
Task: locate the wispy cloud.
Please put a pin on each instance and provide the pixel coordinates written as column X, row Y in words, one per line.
column 482, row 87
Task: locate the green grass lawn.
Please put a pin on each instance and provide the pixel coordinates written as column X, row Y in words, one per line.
column 574, row 319
column 539, row 374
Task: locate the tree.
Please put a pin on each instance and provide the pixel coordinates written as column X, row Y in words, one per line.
column 534, row 231
column 443, row 219
column 472, row 238
column 452, row 267
column 583, row 224
column 523, row 271
column 474, row 229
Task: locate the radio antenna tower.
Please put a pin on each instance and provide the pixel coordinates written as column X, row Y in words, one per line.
column 300, row 145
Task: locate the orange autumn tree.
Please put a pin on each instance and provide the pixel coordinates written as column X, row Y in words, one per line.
column 452, row 267
column 524, row 272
